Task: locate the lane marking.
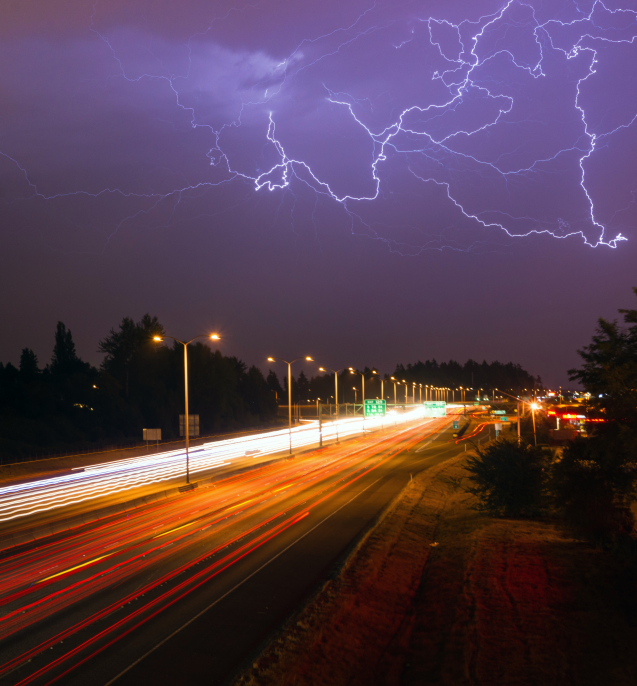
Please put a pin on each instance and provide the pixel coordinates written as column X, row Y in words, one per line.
column 72, row 569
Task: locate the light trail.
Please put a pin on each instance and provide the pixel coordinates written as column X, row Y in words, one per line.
column 327, row 476
column 107, row 478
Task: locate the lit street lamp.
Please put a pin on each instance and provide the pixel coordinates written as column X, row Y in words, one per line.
column 289, row 364
column 395, row 382
column 159, row 339
column 335, row 371
column 353, row 371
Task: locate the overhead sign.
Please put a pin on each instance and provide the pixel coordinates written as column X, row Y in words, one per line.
column 375, row 408
column 435, row 408
column 498, row 411
column 503, row 419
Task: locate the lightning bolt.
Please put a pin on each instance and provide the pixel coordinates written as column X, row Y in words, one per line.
column 422, row 135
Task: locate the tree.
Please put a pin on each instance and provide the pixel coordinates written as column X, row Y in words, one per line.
column 509, row 479
column 122, row 347
column 275, row 387
column 609, row 372
column 65, row 360
column 29, row 364
column 595, row 483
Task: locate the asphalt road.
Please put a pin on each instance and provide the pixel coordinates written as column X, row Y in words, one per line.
column 186, row 590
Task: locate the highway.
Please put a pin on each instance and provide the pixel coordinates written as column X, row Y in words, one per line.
column 22, row 500
column 186, row 589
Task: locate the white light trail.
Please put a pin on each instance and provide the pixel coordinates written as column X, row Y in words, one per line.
column 108, row 478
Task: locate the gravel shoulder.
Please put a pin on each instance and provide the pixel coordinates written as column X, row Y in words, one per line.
column 439, row 594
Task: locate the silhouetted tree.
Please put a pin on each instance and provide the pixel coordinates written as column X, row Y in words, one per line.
column 275, row 387
column 28, row 365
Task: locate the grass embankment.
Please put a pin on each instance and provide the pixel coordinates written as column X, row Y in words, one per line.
column 495, row 602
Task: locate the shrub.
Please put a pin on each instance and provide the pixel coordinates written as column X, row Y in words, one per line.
column 593, row 487
column 508, row 479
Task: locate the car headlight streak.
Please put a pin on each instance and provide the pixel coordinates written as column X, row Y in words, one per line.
column 107, row 478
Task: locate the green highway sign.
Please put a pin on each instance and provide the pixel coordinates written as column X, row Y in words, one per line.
column 375, row 408
column 435, row 408
column 503, row 419
column 498, row 411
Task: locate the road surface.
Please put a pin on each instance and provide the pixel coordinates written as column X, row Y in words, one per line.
column 186, row 590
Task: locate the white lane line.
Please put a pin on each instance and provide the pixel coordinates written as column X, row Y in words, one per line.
column 234, row 588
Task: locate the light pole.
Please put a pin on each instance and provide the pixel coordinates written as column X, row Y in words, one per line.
column 289, row 364
column 420, row 385
column 159, row 339
column 353, row 371
column 335, row 372
column 355, row 397
column 406, row 392
column 395, row 382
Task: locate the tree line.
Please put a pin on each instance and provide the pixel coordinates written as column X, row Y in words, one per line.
column 488, row 376
column 71, row 405
column 68, row 404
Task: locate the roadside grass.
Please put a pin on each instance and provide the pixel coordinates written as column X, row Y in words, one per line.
column 494, row 602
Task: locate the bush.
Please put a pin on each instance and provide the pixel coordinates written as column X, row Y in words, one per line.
column 593, row 487
column 508, row 479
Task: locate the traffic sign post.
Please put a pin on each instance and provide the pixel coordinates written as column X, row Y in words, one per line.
column 375, row 408
column 456, row 424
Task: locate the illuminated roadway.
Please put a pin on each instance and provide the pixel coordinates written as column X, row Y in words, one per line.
column 186, row 589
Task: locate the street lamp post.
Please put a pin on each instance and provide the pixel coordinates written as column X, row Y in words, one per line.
column 394, row 380
column 159, row 339
column 353, row 371
column 289, row 364
column 335, row 372
column 406, row 392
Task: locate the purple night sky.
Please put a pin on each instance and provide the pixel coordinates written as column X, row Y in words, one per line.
column 365, row 182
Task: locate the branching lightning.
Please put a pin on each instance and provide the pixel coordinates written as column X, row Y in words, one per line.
column 422, row 138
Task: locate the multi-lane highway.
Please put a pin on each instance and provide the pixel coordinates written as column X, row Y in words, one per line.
column 185, row 589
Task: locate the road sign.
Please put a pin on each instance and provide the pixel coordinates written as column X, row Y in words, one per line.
column 193, row 425
column 498, row 427
column 498, row 411
column 456, row 425
column 435, row 408
column 375, row 408
column 503, row 419
column 152, row 434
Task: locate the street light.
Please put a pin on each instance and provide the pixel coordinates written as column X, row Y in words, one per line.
column 289, row 364
column 395, row 382
column 336, row 372
column 353, row 371
column 381, row 383
column 159, row 339
column 406, row 392
column 420, row 386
